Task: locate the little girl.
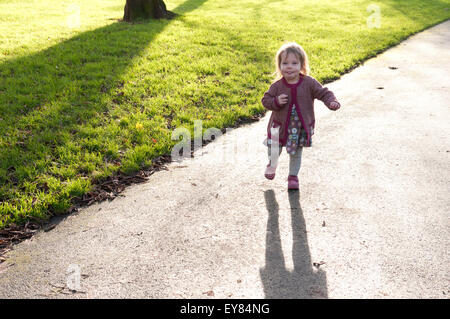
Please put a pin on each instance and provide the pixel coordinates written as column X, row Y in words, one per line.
column 291, row 100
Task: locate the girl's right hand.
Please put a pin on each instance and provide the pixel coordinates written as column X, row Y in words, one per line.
column 282, row 99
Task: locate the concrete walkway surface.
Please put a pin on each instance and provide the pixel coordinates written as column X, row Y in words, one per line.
column 371, row 219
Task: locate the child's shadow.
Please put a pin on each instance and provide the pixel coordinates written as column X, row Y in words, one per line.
column 302, row 281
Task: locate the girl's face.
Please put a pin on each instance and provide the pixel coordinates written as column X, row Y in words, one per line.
column 290, row 67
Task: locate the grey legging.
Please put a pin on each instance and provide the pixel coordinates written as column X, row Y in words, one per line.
column 295, row 160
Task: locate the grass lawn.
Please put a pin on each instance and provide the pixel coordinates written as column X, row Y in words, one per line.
column 84, row 96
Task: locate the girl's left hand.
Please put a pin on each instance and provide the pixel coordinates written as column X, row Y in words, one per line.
column 334, row 106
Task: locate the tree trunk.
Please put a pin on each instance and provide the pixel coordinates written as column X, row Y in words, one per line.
column 146, row 9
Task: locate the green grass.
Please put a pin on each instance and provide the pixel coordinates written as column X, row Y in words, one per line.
column 81, row 104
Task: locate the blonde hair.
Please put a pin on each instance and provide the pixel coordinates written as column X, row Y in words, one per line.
column 297, row 50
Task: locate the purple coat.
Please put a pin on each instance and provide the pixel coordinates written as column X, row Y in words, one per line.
column 301, row 94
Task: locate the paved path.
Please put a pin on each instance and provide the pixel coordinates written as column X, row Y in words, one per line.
column 371, row 219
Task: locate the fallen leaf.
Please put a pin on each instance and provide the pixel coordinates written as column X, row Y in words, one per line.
column 209, row 293
column 318, row 291
column 49, row 228
column 56, row 286
column 320, row 263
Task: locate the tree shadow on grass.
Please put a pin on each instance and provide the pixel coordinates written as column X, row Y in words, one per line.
column 48, row 98
column 302, row 282
column 188, row 6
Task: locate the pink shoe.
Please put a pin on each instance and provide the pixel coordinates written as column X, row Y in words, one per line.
column 270, row 172
column 292, row 182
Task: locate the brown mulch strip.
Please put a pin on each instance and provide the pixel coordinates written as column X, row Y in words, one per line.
column 108, row 189
column 114, row 185
column 15, row 234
